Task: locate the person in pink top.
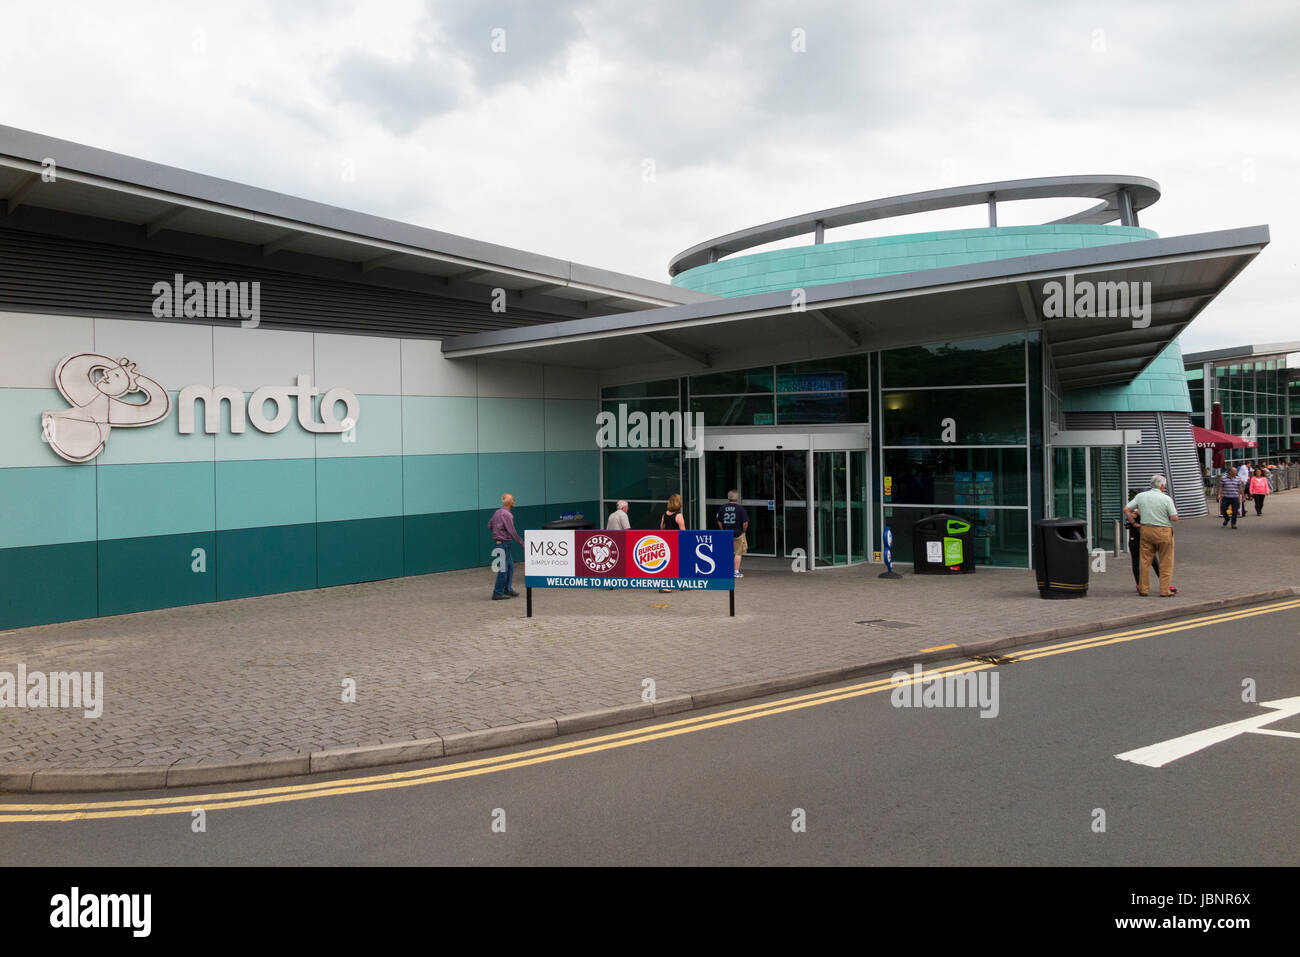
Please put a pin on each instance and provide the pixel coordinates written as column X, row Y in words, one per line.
column 1258, row 489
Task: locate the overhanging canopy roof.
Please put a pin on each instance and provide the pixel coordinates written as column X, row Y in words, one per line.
column 1007, row 295
column 158, row 199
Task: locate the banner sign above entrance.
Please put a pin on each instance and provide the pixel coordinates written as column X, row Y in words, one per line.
column 687, row 560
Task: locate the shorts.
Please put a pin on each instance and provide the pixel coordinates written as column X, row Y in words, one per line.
column 741, row 544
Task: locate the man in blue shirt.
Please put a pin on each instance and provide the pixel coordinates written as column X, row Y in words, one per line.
column 733, row 518
column 1231, row 494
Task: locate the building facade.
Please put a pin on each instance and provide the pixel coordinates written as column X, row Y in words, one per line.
column 1258, row 393
column 210, row 391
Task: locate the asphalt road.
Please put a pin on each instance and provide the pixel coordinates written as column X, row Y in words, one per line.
column 877, row 784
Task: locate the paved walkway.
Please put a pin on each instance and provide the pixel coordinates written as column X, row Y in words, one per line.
column 432, row 656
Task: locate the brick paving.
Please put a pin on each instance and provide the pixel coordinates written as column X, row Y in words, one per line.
column 432, row 655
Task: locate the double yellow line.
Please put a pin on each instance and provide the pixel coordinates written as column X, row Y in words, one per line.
column 254, row 797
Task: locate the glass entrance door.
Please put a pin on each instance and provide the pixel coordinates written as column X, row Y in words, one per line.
column 1088, row 483
column 785, row 491
column 831, row 471
column 758, row 493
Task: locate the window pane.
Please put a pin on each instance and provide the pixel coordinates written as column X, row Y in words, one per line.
column 993, row 360
column 642, row 474
column 640, row 405
column 955, row 477
column 825, row 375
column 998, row 537
column 735, row 410
column 828, row 407
column 981, row 416
column 728, row 383
column 637, row 390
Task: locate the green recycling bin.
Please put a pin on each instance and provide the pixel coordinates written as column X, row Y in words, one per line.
column 941, row 545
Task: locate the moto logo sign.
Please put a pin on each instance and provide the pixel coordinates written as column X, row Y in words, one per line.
column 100, row 390
column 284, row 398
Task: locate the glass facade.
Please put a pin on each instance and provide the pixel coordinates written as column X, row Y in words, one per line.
column 953, row 433
column 1257, row 396
column 644, row 477
column 954, row 437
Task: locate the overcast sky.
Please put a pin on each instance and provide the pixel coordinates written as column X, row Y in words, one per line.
column 619, row 133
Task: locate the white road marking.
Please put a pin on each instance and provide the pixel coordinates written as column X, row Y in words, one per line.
column 1158, row 755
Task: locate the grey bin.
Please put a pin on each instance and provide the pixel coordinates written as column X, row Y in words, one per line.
column 1061, row 557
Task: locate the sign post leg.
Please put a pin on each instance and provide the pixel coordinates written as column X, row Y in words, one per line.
column 731, row 593
column 528, row 596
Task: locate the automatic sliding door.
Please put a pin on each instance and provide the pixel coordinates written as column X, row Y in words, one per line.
column 794, row 501
column 831, row 485
column 758, row 493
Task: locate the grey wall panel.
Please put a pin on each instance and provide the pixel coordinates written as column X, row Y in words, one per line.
column 54, row 274
column 1186, row 483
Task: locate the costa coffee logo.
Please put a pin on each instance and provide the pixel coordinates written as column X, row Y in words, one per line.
column 651, row 554
column 600, row 553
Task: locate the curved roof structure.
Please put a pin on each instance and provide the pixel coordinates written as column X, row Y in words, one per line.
column 1121, row 198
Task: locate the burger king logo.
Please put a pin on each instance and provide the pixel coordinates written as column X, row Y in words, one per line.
column 600, row 553
column 651, row 554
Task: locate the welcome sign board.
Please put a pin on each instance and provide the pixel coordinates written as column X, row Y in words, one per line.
column 687, row 560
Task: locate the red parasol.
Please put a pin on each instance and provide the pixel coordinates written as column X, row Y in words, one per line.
column 1216, row 425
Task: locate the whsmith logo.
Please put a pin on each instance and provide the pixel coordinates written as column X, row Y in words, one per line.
column 1086, row 299
column 97, row 387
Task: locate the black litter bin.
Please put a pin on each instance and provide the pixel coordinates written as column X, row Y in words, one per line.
column 1061, row 557
column 941, row 545
column 569, row 523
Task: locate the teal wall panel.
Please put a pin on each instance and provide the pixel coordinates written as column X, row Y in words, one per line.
column 433, row 425
column 348, row 489
column 291, row 442
column 572, row 476
column 271, row 492
column 136, row 574
column 289, row 510
column 443, row 541
column 815, row 265
column 1160, row 387
column 20, row 426
column 571, row 424
column 162, row 499
column 523, row 474
column 358, row 551
column 378, row 429
column 265, row 561
column 439, row 483
column 512, row 425
column 161, row 442
column 47, row 506
column 47, row 583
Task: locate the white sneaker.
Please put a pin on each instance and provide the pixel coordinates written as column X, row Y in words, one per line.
column 740, row 574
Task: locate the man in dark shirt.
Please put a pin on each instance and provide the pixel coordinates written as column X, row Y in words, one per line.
column 1231, row 495
column 733, row 518
column 501, row 526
